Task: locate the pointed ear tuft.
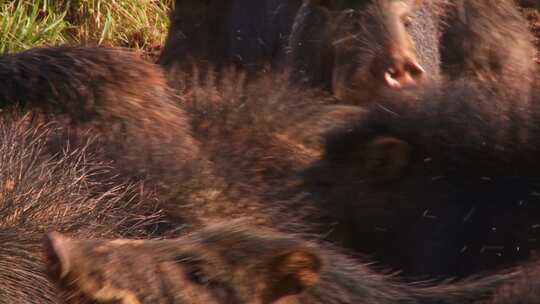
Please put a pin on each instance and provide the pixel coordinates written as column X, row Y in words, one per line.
column 386, row 157
column 57, row 249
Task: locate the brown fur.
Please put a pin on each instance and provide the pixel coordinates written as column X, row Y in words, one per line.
column 523, row 290
column 196, row 33
column 267, row 142
column 232, row 263
column 259, row 136
column 221, row 33
column 529, row 3
column 148, row 137
column 489, row 39
column 72, row 192
column 443, row 198
column 533, row 17
column 120, row 97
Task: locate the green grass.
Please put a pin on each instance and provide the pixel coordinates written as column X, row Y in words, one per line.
column 140, row 24
column 130, row 23
column 25, row 24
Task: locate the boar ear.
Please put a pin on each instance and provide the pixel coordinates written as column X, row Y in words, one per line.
column 386, row 157
column 292, row 272
column 63, row 265
column 58, row 256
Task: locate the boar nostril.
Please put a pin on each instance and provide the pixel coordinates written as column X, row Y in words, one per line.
column 411, row 74
column 391, row 77
column 415, row 70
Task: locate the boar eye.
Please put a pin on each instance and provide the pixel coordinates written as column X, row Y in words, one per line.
column 195, row 275
column 193, row 270
column 407, row 21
